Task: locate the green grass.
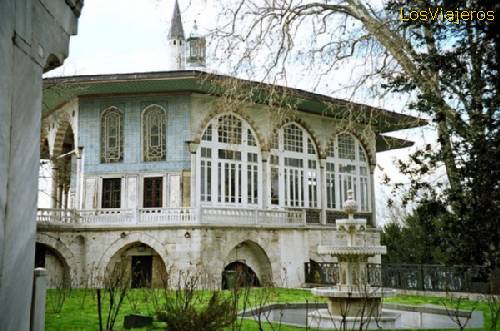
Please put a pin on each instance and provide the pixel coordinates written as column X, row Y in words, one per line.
column 79, row 312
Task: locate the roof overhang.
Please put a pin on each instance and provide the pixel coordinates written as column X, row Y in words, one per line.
column 59, row 90
column 385, row 143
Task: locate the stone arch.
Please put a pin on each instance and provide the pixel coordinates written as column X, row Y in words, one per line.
column 44, row 149
column 63, row 124
column 254, row 256
column 63, row 252
column 216, row 113
column 127, row 240
column 370, row 154
column 301, row 124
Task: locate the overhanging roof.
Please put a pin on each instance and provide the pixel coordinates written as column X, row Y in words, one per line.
column 385, row 143
column 60, row 90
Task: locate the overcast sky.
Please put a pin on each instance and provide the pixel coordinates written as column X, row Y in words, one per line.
column 120, row 36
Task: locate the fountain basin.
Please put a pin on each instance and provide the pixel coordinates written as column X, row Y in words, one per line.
column 410, row 317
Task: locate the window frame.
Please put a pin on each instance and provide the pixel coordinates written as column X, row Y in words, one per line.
column 104, row 136
column 244, row 166
column 355, row 178
column 102, row 194
column 145, row 134
column 294, row 196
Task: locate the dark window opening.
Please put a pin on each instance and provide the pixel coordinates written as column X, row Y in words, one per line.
column 111, row 192
column 153, row 187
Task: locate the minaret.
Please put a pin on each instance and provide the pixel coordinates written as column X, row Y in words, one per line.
column 176, row 41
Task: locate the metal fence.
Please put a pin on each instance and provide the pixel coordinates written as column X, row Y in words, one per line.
column 322, row 272
column 421, row 277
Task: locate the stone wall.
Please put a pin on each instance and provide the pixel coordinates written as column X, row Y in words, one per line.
column 34, row 37
column 276, row 254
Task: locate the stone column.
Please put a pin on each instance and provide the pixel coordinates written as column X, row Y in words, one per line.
column 322, row 178
column 34, row 37
column 264, row 188
column 53, row 187
column 372, row 198
column 193, row 147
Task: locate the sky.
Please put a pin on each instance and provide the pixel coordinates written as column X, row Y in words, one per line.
column 122, row 36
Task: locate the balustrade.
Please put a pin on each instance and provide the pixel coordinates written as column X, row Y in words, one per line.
column 176, row 216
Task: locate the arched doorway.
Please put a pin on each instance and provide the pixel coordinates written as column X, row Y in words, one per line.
column 246, row 264
column 239, row 274
column 58, row 273
column 140, row 264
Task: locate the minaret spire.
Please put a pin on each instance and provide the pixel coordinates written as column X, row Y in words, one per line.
column 176, row 41
column 176, row 28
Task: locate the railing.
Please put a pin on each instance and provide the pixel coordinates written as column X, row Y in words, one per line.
column 426, row 277
column 422, row 277
column 62, row 216
column 326, row 273
column 173, row 216
column 232, row 216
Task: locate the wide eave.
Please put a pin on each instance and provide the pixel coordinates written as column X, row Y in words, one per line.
column 59, row 90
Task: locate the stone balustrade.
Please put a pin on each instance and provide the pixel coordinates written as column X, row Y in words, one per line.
column 173, row 216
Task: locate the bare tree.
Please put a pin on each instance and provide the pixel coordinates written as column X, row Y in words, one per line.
column 116, row 283
column 454, row 305
column 450, row 70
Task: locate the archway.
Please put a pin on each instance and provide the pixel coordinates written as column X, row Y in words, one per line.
column 58, row 271
column 139, row 264
column 239, row 274
column 248, row 264
column 64, row 163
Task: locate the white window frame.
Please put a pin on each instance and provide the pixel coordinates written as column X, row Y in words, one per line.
column 243, row 148
column 364, row 202
column 298, row 198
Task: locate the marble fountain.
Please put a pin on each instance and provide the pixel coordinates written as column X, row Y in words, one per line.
column 352, row 302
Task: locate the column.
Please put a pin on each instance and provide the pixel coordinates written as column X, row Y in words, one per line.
column 322, row 178
column 193, row 147
column 372, row 196
column 53, row 185
column 264, row 189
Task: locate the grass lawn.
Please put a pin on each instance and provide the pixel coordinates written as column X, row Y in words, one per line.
column 79, row 311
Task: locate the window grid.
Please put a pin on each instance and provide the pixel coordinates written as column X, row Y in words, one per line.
column 207, row 135
column 347, row 169
column 346, row 145
column 111, row 193
column 292, row 138
column 294, row 172
column 112, row 136
column 228, row 163
column 229, row 129
column 251, row 138
column 154, row 134
column 310, row 147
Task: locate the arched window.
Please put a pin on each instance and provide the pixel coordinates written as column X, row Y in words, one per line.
column 228, row 162
column 112, row 135
column 294, row 169
column 347, row 169
column 154, row 133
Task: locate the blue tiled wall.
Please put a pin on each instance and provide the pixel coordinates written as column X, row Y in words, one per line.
column 178, row 131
